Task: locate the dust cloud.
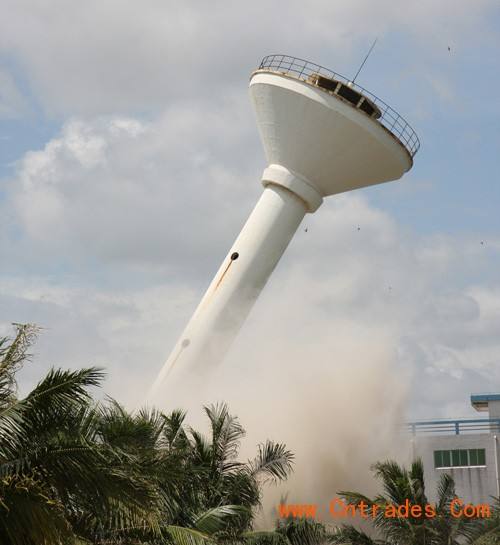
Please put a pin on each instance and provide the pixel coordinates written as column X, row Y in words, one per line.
column 317, row 364
column 331, row 390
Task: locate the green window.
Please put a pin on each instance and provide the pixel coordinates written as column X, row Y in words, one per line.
column 464, row 458
column 473, row 459
column 477, row 457
column 446, row 458
column 481, row 456
column 460, row 457
column 438, row 458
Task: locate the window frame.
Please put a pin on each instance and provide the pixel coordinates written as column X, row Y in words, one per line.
column 455, row 458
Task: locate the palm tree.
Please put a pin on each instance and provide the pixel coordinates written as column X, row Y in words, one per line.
column 76, row 472
column 400, row 485
column 55, row 473
column 200, row 480
column 488, row 530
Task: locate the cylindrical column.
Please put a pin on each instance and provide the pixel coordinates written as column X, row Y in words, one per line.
column 497, row 462
column 238, row 282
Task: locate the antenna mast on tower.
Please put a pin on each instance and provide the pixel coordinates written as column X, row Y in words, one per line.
column 366, row 58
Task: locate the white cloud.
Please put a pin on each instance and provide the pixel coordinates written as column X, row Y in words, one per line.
column 153, row 207
column 115, row 56
column 111, row 232
column 125, row 221
column 120, row 189
column 12, row 103
column 351, row 325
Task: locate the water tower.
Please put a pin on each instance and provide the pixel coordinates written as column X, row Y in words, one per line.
column 322, row 135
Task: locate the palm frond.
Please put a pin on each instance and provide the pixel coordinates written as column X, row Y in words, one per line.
column 65, row 388
column 270, row 537
column 304, row 532
column 273, row 460
column 173, row 430
column 226, row 432
column 27, row 511
column 216, row 519
column 13, row 354
column 445, row 492
column 187, row 536
column 349, row 535
column 394, row 479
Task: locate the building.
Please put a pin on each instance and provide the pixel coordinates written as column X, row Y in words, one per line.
column 467, row 449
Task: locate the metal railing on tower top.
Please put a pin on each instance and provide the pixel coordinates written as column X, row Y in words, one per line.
column 303, row 69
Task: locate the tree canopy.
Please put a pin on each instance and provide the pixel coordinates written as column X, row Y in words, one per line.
column 75, row 471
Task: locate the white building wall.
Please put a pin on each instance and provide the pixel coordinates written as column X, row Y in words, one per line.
column 473, row 484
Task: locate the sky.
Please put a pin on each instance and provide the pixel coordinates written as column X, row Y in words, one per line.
column 130, row 159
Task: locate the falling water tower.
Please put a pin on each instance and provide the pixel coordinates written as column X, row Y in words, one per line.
column 322, row 134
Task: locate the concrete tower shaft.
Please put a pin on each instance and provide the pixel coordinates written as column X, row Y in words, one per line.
column 322, row 136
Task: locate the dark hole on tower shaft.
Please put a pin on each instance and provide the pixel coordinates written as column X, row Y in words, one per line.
column 234, row 256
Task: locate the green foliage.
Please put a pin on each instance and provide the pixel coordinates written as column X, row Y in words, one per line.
column 74, row 472
column 400, row 484
column 292, row 531
column 77, row 472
